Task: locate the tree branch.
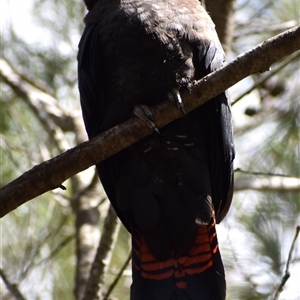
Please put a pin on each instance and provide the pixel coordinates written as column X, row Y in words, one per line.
column 118, row 277
column 13, row 288
column 44, row 106
column 52, row 173
column 286, row 275
column 269, row 183
column 85, row 203
column 263, row 79
column 94, row 287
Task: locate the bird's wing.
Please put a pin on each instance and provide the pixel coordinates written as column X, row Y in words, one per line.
column 92, row 83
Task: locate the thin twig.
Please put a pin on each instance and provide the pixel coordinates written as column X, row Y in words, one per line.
column 266, row 182
column 13, row 288
column 118, row 277
column 262, row 173
column 58, row 248
column 287, row 275
column 263, row 79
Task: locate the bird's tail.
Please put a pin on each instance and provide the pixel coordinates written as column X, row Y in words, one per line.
column 198, row 275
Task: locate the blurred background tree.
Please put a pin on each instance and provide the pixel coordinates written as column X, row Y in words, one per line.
column 49, row 243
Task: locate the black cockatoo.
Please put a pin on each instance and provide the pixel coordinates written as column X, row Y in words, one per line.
column 169, row 189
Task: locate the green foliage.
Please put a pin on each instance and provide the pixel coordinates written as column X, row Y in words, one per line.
column 34, row 251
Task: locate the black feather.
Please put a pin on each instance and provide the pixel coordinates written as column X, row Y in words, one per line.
column 166, row 189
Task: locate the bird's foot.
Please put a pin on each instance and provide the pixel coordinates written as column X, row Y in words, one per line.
column 174, row 96
column 143, row 113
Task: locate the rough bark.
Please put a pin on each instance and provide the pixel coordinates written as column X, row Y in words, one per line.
column 85, row 204
column 52, row 173
column 94, row 289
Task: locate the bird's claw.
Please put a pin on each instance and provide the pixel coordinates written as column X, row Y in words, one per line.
column 143, row 113
column 174, row 96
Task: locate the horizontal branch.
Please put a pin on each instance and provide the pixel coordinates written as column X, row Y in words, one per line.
column 52, row 173
column 270, row 183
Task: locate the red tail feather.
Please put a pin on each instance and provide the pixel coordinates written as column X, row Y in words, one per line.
column 190, row 276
